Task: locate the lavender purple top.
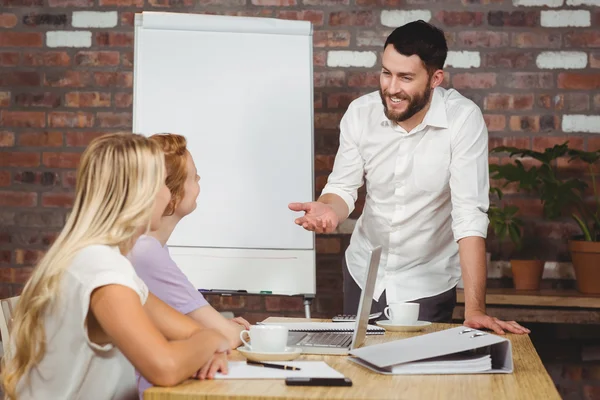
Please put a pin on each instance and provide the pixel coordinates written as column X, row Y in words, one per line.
column 154, row 265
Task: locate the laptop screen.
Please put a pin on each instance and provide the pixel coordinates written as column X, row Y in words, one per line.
column 364, row 306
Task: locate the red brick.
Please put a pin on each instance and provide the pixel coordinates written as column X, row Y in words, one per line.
column 597, row 102
column 525, row 123
column 127, row 18
column 528, row 19
column 573, row 102
column 8, row 20
column 114, row 120
column 277, row 3
column 582, row 39
column 327, row 120
column 62, row 119
column 47, row 58
column 21, row 39
column 97, row 58
column 18, row 199
column 372, row 38
column 41, row 139
column 222, row 3
column 4, row 178
column 22, row 3
column 19, row 78
column 81, row 139
column 319, row 58
column 9, row 58
column 70, row 3
column 283, row 303
column 5, row 256
column 67, row 79
column 590, row 371
column 495, row 122
column 26, row 256
column 34, row 20
column 481, row 80
column 45, row 178
column 7, row 139
column 384, row 3
column 540, row 143
column 352, row 18
column 328, row 245
column 61, row 160
column 482, row 39
column 65, row 200
column 529, row 80
column 26, row 119
column 122, row 3
column 318, row 100
column 505, row 101
column 19, row 159
column 116, row 79
column 522, row 142
column 123, row 100
column 567, row 80
column 593, row 143
column 316, row 17
column 127, row 59
column 326, row 2
column 545, row 39
column 363, row 79
column 45, row 99
column 87, row 99
column 324, row 162
column 551, row 101
column 460, row 18
column 250, row 13
column 594, row 60
column 331, row 38
column 69, row 179
column 341, row 100
column 4, row 99
column 527, row 206
column 329, row 79
column 508, row 59
column 114, row 39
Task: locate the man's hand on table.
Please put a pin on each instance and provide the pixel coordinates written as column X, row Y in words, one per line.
column 479, row 320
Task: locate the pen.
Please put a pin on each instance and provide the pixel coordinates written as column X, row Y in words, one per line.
column 267, row 365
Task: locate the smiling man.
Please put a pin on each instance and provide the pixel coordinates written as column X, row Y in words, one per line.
column 423, row 152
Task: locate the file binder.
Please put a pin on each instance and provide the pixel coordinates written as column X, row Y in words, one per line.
column 458, row 350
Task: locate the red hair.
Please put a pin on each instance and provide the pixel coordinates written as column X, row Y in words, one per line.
column 175, row 148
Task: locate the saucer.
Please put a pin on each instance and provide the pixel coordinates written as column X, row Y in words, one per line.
column 389, row 326
column 290, row 353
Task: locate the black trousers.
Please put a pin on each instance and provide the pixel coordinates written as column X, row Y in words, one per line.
column 437, row 308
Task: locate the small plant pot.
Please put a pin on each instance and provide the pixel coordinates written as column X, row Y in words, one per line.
column 527, row 274
column 586, row 263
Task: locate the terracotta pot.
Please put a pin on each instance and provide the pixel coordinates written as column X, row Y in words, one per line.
column 586, row 262
column 527, row 274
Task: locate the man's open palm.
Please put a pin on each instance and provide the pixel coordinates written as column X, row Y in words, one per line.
column 318, row 217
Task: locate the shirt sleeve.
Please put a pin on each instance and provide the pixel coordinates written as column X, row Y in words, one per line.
column 348, row 169
column 166, row 281
column 469, row 178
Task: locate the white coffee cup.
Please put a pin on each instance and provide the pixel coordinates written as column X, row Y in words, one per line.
column 266, row 338
column 402, row 313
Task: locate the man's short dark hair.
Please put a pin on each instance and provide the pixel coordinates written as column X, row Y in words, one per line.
column 423, row 39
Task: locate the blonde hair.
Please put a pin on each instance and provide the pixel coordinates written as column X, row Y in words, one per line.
column 117, row 181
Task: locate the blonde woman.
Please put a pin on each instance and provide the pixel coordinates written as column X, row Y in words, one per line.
column 84, row 316
column 150, row 255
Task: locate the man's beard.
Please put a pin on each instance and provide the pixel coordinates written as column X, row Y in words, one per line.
column 415, row 103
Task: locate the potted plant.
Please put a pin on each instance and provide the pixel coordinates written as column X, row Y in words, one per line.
column 562, row 194
column 527, row 268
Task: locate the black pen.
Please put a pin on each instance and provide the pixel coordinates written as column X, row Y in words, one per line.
column 267, row 365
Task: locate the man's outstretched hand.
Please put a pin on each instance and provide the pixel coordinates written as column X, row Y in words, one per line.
column 318, row 217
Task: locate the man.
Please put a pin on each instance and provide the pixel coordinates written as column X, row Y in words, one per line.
column 423, row 152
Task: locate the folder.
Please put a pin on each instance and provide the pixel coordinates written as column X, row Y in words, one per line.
column 458, row 350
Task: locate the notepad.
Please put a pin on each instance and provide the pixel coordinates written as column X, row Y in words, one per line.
column 308, row 369
column 325, row 327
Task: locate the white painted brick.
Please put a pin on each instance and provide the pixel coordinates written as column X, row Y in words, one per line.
column 583, row 2
column 463, row 59
column 538, row 3
column 68, row 39
column 581, row 123
column 95, row 19
column 555, row 19
column 561, row 60
column 396, row 18
column 345, row 58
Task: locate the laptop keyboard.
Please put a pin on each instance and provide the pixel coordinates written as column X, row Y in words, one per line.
column 326, row 339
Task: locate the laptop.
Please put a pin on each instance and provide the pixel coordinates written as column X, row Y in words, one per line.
column 341, row 343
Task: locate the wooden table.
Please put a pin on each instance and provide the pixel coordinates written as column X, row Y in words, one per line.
column 529, row 381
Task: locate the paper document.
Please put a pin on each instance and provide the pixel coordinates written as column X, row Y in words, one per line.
column 455, row 363
column 324, row 326
column 308, row 369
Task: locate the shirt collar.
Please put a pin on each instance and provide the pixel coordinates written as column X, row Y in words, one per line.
column 436, row 115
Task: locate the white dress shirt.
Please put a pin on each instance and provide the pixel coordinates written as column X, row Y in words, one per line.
column 426, row 189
